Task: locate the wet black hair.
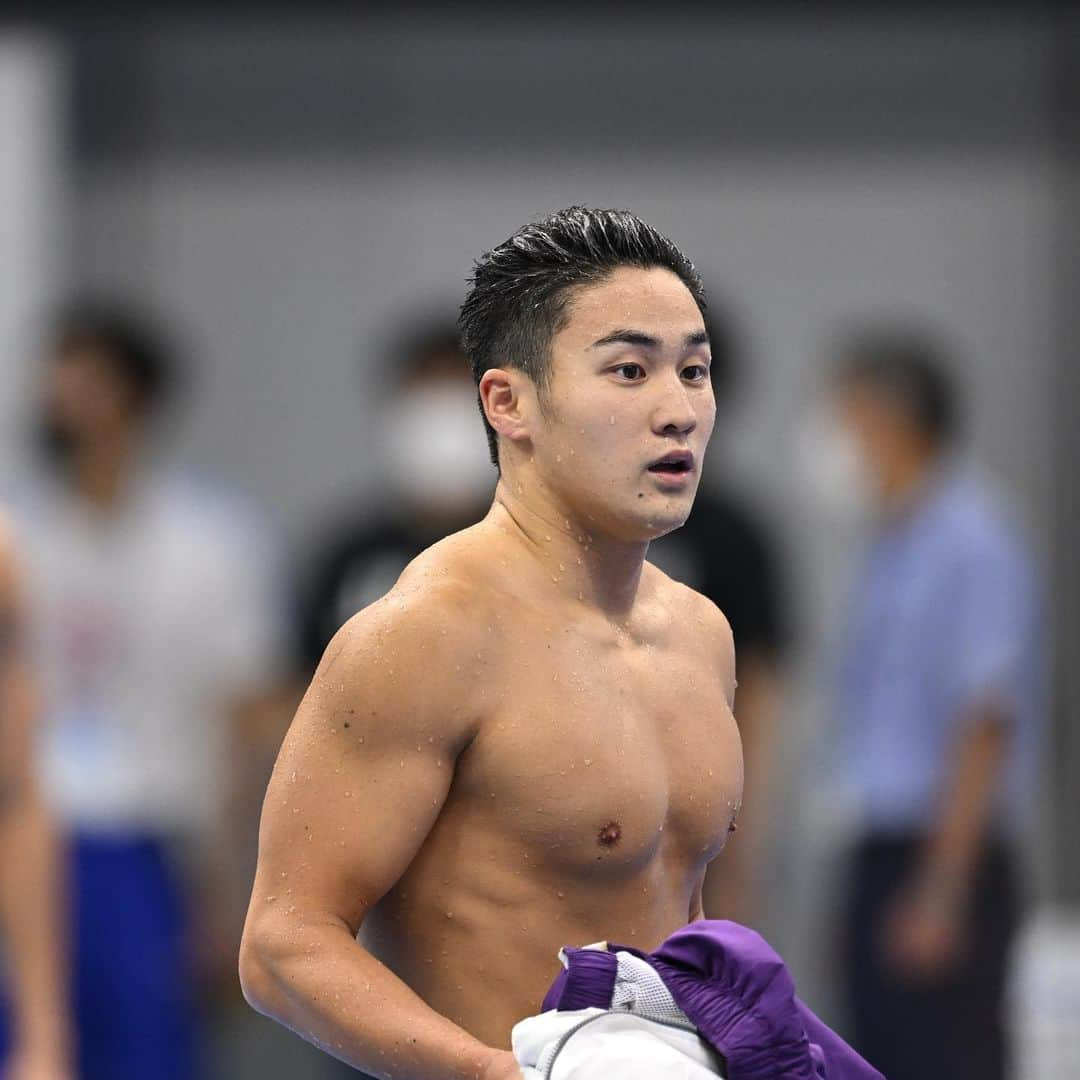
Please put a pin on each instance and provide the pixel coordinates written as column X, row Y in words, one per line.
column 520, row 289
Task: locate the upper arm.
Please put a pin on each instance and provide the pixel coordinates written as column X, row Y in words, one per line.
column 368, row 761
column 990, row 621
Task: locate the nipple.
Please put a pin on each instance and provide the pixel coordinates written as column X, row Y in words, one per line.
column 609, row 835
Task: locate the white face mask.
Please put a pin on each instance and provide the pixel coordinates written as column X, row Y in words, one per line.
column 435, row 447
column 834, row 472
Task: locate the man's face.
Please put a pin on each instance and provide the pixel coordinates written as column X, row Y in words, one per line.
column 629, row 408
column 875, row 425
column 85, row 396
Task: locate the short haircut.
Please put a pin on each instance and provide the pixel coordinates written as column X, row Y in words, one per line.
column 521, row 288
column 132, row 347
column 910, row 366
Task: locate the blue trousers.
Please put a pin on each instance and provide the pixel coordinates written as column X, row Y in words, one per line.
column 134, row 1011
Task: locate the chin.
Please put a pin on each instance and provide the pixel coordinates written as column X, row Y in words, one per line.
column 651, row 526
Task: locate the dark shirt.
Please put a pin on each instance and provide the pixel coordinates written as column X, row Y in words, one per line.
column 726, row 553
column 359, row 563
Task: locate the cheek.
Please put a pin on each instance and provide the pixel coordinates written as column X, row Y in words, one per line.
column 707, row 418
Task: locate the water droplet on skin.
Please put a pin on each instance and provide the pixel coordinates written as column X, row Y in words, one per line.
column 588, row 761
column 348, row 794
column 611, row 420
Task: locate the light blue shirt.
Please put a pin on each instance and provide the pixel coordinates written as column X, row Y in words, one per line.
column 944, row 619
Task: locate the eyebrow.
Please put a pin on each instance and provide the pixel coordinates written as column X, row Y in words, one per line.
column 646, row 341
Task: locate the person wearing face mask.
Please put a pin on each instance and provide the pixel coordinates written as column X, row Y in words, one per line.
column 152, row 625
column 440, row 480
column 938, row 700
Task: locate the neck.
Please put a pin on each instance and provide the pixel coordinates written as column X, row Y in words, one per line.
column 600, row 571
column 909, row 477
column 101, row 470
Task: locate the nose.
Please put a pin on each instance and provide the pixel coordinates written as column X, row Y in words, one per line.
column 674, row 413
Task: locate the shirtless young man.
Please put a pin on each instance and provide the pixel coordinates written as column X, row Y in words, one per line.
column 529, row 741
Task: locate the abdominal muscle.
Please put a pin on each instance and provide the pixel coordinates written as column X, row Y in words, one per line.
column 475, row 925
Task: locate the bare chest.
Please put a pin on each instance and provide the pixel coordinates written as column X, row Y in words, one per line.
column 606, row 753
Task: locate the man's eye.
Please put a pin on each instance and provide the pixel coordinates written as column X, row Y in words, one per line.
column 696, row 373
column 630, row 371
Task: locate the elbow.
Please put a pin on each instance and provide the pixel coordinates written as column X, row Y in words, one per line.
column 256, row 974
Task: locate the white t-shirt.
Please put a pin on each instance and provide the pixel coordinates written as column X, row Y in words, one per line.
column 145, row 623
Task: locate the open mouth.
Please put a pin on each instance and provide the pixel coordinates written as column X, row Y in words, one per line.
column 673, row 464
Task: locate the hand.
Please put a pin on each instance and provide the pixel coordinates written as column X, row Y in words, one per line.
column 503, row 1066
column 924, row 935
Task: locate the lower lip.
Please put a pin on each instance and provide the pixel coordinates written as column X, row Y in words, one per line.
column 673, row 480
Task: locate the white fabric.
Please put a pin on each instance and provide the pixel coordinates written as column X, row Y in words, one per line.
column 643, row 1036
column 601, row 1044
column 145, row 623
column 639, row 989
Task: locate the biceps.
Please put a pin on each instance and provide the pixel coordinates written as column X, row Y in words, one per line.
column 341, row 822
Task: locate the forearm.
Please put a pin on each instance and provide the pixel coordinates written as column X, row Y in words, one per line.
column 956, row 841
column 320, row 982
column 33, row 924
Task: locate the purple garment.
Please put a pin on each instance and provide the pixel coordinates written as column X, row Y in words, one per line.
column 736, row 990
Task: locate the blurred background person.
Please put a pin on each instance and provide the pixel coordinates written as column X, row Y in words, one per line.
column 35, row 1035
column 939, row 701
column 151, row 608
column 436, row 478
column 727, row 551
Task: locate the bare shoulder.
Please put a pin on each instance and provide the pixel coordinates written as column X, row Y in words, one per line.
column 414, row 649
column 694, row 620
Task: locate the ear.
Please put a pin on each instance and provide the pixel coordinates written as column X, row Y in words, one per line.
column 508, row 399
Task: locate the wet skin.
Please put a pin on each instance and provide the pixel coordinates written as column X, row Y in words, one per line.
column 603, row 777
column 528, row 743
